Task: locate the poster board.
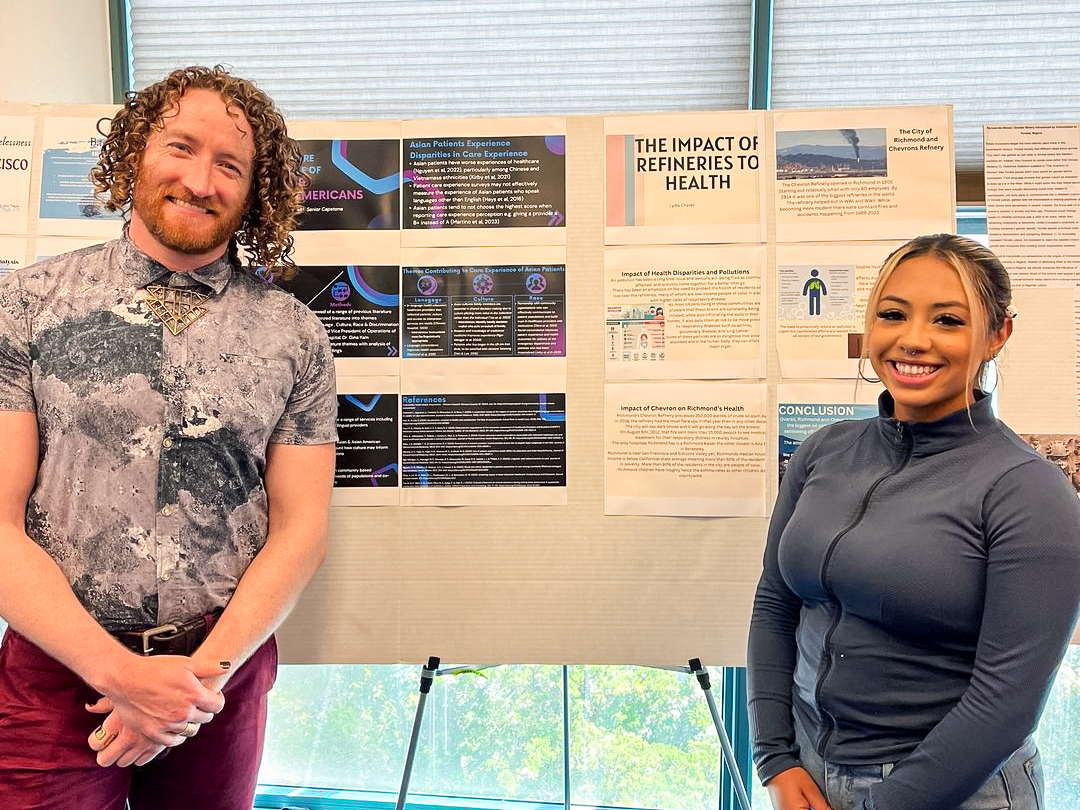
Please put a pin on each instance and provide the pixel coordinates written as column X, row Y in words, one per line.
column 500, row 576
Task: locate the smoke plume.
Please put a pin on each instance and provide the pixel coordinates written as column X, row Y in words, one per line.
column 852, row 138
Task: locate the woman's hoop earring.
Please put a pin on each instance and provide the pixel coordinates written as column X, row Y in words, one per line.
column 862, row 375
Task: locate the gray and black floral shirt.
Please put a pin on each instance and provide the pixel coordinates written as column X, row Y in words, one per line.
column 149, row 494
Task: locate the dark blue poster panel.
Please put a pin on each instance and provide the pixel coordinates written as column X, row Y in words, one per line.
column 490, row 311
column 483, row 440
column 489, row 182
column 367, row 447
column 358, row 305
column 351, row 184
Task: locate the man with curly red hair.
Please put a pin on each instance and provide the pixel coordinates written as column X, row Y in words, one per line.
column 167, row 428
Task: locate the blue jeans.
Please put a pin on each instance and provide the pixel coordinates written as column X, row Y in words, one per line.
column 1017, row 786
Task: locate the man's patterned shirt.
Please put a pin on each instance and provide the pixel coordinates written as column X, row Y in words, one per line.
column 149, row 494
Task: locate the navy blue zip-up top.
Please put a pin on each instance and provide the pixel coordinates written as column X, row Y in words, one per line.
column 920, row 584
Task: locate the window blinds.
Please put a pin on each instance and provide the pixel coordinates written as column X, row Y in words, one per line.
column 995, row 61
column 400, row 59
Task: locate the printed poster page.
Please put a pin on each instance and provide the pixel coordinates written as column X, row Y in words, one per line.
column 484, row 181
column 694, row 449
column 847, row 174
column 1038, row 368
column 70, row 147
column 1033, row 199
column 12, row 253
column 683, row 312
column 821, row 295
column 693, row 177
column 17, row 123
column 352, row 198
column 368, row 451
column 802, row 409
column 1033, row 217
column 474, row 441
column 356, row 296
column 484, row 311
column 1034, row 397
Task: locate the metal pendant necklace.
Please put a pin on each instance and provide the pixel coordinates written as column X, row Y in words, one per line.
column 176, row 307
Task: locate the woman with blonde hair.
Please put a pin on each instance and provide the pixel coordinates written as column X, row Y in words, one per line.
column 922, row 571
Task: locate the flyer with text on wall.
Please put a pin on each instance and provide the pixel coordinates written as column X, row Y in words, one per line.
column 352, row 191
column 828, row 175
column 16, row 159
column 685, row 448
column 862, row 173
column 359, row 306
column 821, row 294
column 684, row 312
column 353, row 289
column 482, row 440
column 368, row 467
column 693, row 177
column 70, row 147
column 484, row 311
column 802, row 409
column 1032, row 211
column 479, row 181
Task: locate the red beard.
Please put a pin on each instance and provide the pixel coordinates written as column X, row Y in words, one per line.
column 152, row 205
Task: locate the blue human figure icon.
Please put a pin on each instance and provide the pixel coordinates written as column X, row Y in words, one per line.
column 813, row 289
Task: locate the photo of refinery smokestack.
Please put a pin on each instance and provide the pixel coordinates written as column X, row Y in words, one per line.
column 817, row 153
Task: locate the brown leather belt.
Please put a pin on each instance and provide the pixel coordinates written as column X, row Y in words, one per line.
column 175, row 638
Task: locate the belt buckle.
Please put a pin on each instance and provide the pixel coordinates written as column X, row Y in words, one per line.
column 153, row 632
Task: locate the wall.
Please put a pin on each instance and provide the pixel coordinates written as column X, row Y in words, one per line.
column 55, row 51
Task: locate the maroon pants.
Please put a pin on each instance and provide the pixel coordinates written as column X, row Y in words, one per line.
column 45, row 763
